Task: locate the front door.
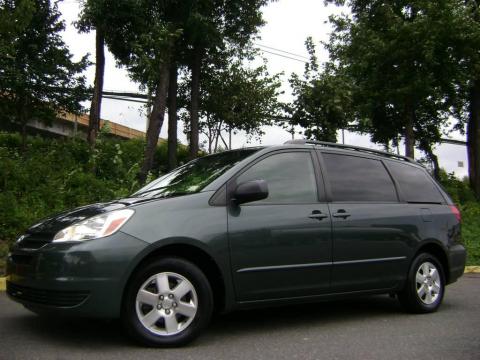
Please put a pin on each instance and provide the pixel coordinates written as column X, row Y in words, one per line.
column 281, row 246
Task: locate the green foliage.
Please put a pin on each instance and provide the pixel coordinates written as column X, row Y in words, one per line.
column 464, row 197
column 459, row 190
column 37, row 75
column 471, row 231
column 235, row 98
column 322, row 100
column 403, row 61
column 97, row 14
column 50, row 176
column 140, row 34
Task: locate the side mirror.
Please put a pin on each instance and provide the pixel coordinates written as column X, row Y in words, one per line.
column 250, row 191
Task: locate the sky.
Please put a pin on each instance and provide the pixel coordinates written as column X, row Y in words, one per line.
column 288, row 24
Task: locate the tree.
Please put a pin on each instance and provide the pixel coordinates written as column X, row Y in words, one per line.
column 236, row 98
column 96, row 15
column 322, row 100
column 38, row 77
column 416, row 64
column 396, row 54
column 172, row 116
column 466, row 46
column 142, row 38
column 14, row 19
column 148, row 36
column 211, row 26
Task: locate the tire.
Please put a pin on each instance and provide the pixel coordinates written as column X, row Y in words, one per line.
column 168, row 302
column 423, row 294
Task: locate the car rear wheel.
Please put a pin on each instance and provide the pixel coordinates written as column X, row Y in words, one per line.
column 425, row 286
column 168, row 303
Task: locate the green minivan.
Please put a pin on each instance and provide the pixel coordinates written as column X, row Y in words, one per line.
column 302, row 222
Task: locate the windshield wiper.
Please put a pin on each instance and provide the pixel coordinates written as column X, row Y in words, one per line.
column 170, row 195
column 150, row 190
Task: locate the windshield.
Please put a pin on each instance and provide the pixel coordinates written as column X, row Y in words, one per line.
column 195, row 175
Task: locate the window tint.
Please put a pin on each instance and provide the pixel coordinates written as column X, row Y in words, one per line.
column 358, row 179
column 415, row 184
column 290, row 178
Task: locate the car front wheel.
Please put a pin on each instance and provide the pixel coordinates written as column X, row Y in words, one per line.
column 168, row 303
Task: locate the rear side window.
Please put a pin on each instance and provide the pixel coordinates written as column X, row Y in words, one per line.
column 290, row 178
column 415, row 184
column 355, row 178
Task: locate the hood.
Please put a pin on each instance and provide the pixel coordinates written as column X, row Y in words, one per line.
column 50, row 226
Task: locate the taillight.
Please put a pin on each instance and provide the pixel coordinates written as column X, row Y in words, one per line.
column 456, row 212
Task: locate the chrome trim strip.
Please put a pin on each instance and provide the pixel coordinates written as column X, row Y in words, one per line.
column 311, row 265
column 283, row 267
column 369, row 260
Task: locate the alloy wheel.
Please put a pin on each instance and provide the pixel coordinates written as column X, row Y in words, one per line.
column 428, row 283
column 166, row 303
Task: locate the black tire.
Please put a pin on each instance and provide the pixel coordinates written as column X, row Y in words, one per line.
column 189, row 271
column 409, row 296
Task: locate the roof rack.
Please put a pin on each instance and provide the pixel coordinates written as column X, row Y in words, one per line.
column 349, row 147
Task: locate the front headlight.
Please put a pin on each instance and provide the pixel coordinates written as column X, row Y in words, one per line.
column 95, row 227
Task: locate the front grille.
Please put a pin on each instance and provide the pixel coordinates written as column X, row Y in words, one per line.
column 46, row 297
column 34, row 241
column 22, row 259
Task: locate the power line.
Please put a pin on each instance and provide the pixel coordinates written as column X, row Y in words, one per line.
column 124, row 99
column 282, row 51
column 284, row 56
column 141, row 98
column 136, row 95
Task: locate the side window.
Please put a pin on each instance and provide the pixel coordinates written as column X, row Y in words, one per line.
column 290, row 178
column 355, row 178
column 415, row 184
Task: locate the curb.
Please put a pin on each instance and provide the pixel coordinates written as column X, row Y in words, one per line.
column 472, row 269
column 468, row 270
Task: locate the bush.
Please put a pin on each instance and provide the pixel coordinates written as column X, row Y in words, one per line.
column 459, row 190
column 469, row 207
column 51, row 175
column 471, row 231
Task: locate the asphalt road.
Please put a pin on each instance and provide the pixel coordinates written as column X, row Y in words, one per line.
column 367, row 328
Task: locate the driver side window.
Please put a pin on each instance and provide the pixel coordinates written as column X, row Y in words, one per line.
column 290, row 178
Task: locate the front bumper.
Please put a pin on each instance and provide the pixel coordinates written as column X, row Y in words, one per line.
column 79, row 279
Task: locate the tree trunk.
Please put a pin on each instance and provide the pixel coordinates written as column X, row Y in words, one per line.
column 172, row 117
column 436, row 166
column 409, row 136
column 217, row 136
column 427, row 148
column 229, row 138
column 195, row 97
column 473, row 138
column 156, row 121
column 96, row 104
column 21, row 118
column 224, row 142
column 24, row 137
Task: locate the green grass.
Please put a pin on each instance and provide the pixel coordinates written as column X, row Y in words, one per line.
column 471, row 231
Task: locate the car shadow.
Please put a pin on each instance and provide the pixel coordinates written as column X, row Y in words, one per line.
column 319, row 315
column 95, row 333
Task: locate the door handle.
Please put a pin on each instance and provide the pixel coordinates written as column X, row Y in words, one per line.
column 317, row 214
column 341, row 214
